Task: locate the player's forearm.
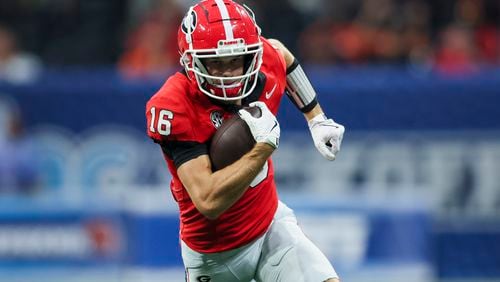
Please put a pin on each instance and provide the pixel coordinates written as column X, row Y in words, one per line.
column 230, row 183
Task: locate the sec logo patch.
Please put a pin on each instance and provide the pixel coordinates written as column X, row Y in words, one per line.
column 217, row 118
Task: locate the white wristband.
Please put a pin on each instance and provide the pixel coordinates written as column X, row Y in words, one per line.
column 318, row 118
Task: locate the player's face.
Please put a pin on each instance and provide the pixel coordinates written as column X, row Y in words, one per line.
column 225, row 66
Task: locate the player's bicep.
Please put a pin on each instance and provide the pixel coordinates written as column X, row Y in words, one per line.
column 182, row 151
column 195, row 176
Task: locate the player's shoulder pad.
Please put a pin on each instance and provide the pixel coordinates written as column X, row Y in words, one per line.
column 169, row 112
column 272, row 57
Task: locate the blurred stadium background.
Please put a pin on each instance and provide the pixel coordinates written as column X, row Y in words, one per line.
column 413, row 196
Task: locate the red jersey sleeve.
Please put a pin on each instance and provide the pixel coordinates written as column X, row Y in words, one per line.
column 170, row 122
column 168, row 114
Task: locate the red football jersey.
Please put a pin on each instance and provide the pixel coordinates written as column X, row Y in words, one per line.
column 183, row 120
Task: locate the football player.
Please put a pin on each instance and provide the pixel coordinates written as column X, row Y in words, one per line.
column 232, row 225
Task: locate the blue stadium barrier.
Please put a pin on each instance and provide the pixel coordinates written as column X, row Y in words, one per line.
column 361, row 98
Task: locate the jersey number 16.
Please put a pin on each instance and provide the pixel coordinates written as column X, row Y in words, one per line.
column 163, row 124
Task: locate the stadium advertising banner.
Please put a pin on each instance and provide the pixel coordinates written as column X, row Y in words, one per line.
column 65, row 238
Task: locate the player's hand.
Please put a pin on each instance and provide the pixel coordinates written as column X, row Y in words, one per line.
column 327, row 136
column 264, row 128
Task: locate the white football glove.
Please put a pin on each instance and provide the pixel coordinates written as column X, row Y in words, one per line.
column 327, row 135
column 265, row 128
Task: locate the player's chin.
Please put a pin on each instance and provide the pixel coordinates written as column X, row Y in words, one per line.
column 227, row 92
column 232, row 83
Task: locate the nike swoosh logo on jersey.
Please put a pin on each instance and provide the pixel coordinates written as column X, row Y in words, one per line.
column 269, row 94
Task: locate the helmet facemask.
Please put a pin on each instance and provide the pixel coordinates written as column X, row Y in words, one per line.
column 220, row 87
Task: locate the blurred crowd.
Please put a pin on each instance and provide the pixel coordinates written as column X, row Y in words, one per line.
column 452, row 36
column 139, row 36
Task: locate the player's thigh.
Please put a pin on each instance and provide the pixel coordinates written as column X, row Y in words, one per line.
column 237, row 265
column 303, row 262
column 288, row 255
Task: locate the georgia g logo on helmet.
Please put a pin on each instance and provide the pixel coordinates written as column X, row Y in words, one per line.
column 189, row 22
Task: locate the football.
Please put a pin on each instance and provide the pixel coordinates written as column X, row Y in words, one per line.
column 232, row 140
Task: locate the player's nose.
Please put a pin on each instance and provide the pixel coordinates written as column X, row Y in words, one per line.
column 227, row 72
